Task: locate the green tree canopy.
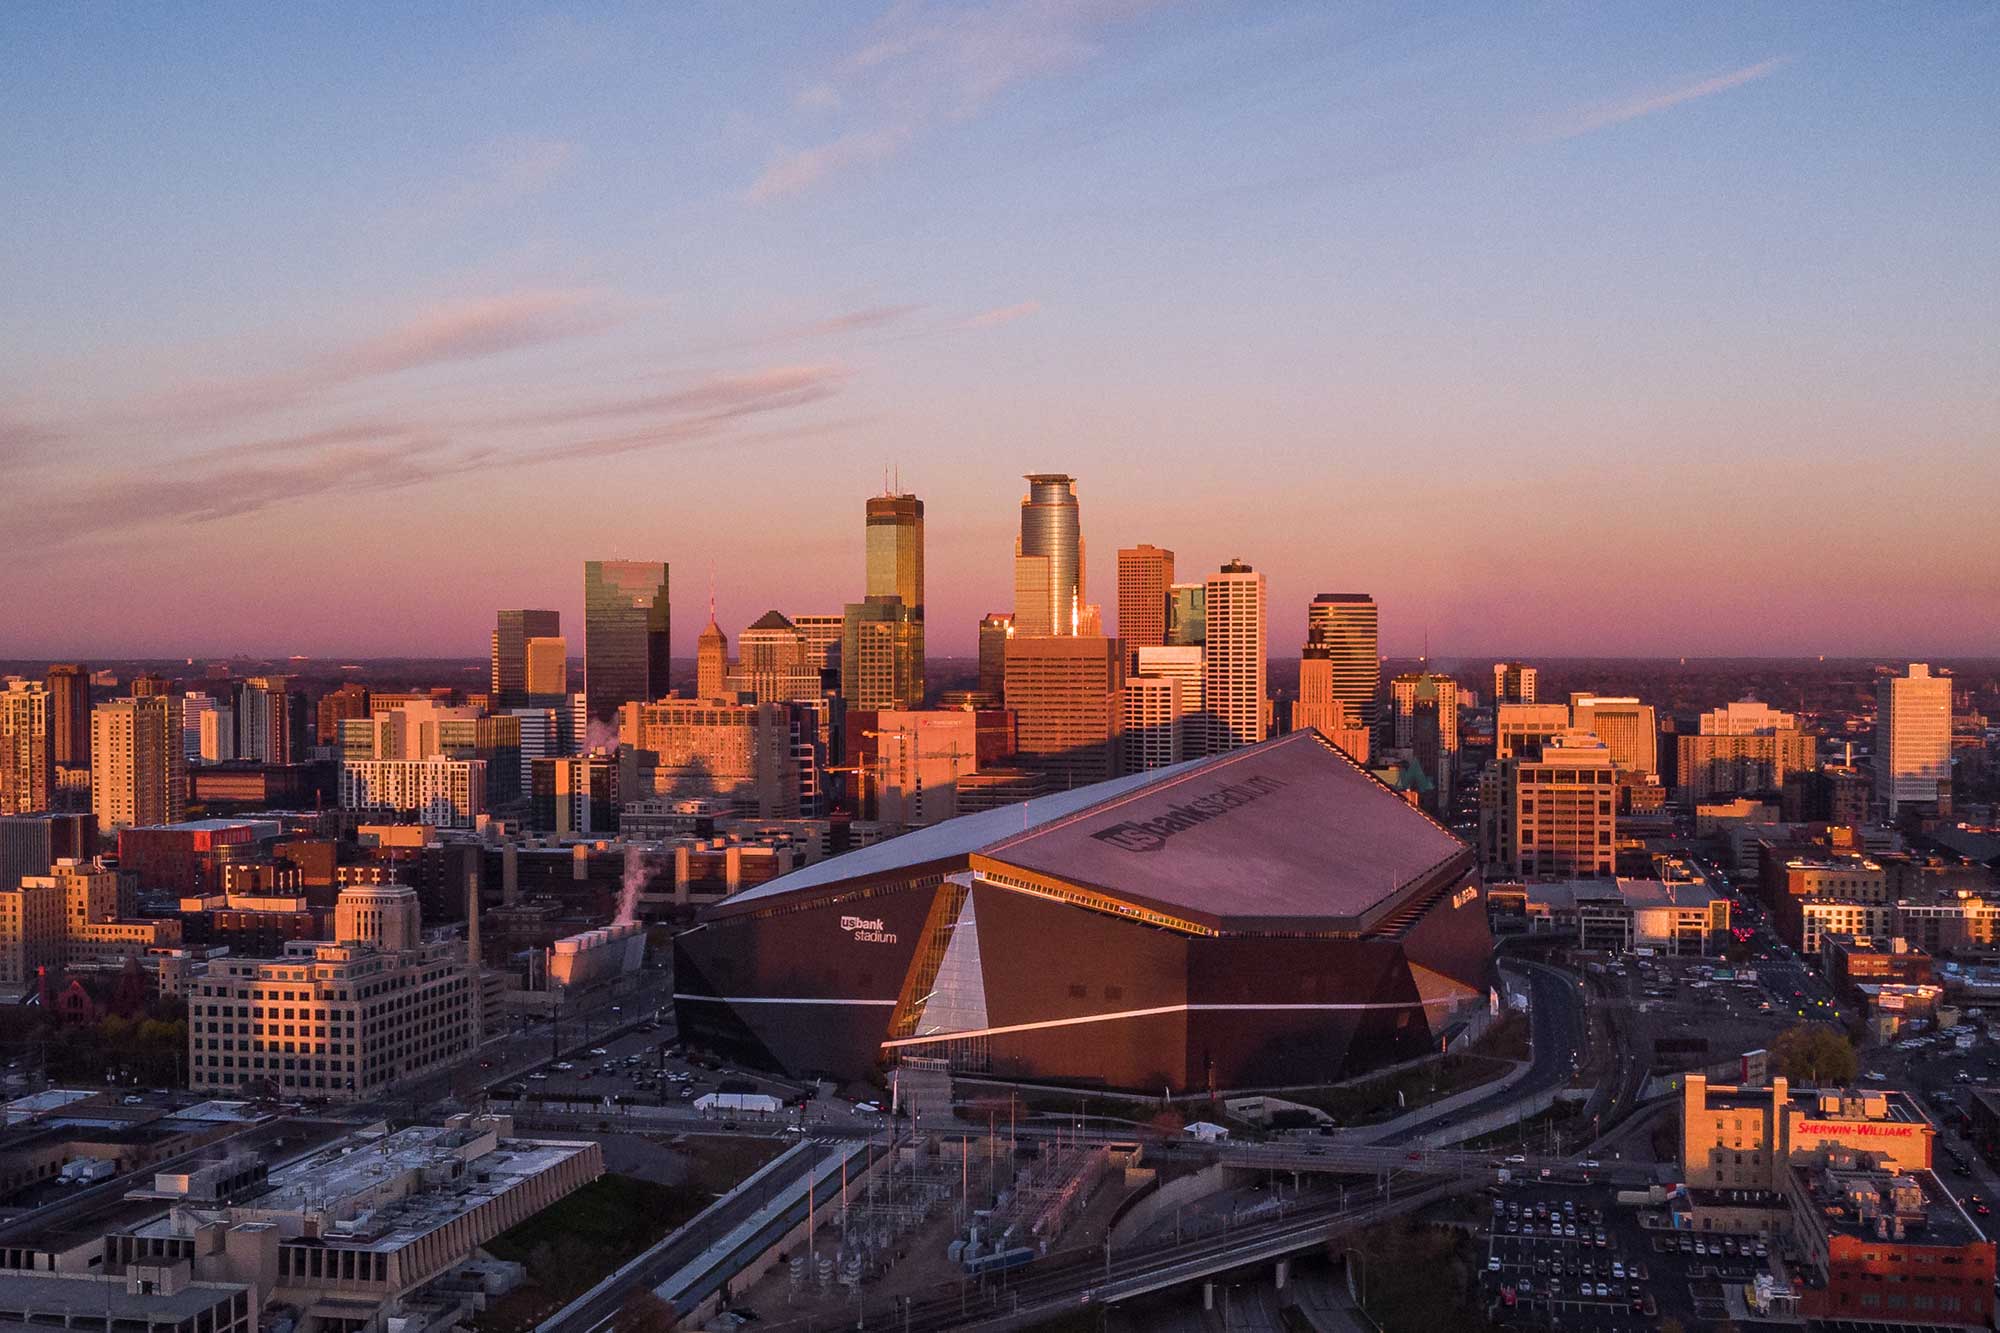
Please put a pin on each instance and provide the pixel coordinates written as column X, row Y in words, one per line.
column 1814, row 1055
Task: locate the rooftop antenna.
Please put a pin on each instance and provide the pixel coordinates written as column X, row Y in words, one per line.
column 899, row 480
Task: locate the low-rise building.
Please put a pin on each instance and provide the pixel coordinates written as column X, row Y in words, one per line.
column 1617, row 915
column 1848, row 961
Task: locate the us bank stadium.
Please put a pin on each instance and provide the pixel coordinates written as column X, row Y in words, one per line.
column 1268, row 916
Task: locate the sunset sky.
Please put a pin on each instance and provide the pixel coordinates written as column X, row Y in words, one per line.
column 1561, row 328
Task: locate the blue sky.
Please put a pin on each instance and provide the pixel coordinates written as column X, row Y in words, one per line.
column 1563, row 328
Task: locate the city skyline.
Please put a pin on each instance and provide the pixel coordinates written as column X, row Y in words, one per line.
column 1566, row 258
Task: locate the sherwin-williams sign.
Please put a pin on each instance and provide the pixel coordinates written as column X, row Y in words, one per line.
column 1150, row 835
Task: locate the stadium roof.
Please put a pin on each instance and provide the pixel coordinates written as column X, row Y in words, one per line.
column 1288, row 833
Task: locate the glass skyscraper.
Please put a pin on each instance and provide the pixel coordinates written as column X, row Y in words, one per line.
column 1048, row 558
column 626, row 634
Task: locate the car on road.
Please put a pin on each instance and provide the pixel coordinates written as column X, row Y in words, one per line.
column 563, row 1066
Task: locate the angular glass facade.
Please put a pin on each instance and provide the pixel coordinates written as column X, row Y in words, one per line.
column 625, row 634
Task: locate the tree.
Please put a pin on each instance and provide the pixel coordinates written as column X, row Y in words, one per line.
column 1814, row 1055
column 1167, row 1123
column 643, row 1312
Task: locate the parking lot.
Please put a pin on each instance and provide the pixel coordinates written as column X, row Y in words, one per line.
column 1571, row 1253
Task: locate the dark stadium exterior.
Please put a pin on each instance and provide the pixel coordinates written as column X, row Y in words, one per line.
column 1269, row 916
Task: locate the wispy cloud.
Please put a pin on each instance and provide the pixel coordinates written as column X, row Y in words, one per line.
column 923, row 63
column 388, row 452
column 446, row 332
column 1585, row 120
column 22, row 440
column 1006, row 314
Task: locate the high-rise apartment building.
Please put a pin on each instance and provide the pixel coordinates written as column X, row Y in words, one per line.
column 1746, row 717
column 1513, row 683
column 345, row 1021
column 1345, row 624
column 1552, row 816
column 31, row 932
column 448, row 793
column 575, row 796
column 627, row 633
column 1233, row 658
column 1048, row 558
column 1743, row 748
column 1155, row 723
column 1187, row 614
column 1066, row 693
column 1145, row 574
column 995, row 628
column 881, row 655
column 508, row 675
column 218, row 733
column 547, row 657
column 1912, row 739
column 69, row 713
column 336, row 706
column 1626, row 726
column 1180, row 663
column 711, row 660
column 195, row 705
column 269, row 717
column 27, row 747
column 138, row 768
column 541, row 738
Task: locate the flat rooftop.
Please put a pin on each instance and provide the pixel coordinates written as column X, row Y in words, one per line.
column 88, row 1298
column 1858, row 1200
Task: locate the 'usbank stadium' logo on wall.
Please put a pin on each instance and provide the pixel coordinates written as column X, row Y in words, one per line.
column 867, row 930
column 1150, row 835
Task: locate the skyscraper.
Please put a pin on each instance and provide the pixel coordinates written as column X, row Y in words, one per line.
column 1232, row 662
column 1187, row 614
column 895, row 568
column 509, row 674
column 1145, row 573
column 27, row 748
column 881, row 655
column 995, row 628
column 627, row 633
column 1627, row 727
column 1048, row 558
column 772, row 663
column 1426, row 724
column 69, row 713
column 1345, row 623
column 1180, row 663
column 547, row 659
column 895, row 549
column 268, row 721
column 1552, row 815
column 138, row 770
column 711, row 660
column 1067, row 698
column 1912, row 739
column 1513, row 683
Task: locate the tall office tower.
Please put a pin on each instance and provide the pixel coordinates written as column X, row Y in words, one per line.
column 540, row 739
column 1525, row 728
column 1181, row 663
column 895, row 549
column 138, row 771
column 1912, row 739
column 27, row 748
column 1048, row 558
column 1145, row 574
column 1154, row 715
column 823, row 633
column 1320, row 708
column 69, row 713
column 195, row 705
column 1232, row 662
column 509, row 673
column 548, row 669
column 995, row 628
column 1406, row 691
column 267, row 721
column 1513, row 683
column 337, row 706
column 1187, row 614
column 1066, row 693
column 1345, row 624
column 772, row 663
column 1626, row 726
column 627, row 633
column 895, row 568
column 881, row 655
column 711, row 660
column 1552, row 816
column 575, row 796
